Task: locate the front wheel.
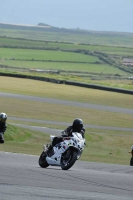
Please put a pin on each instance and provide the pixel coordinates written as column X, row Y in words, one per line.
column 42, row 160
column 68, row 162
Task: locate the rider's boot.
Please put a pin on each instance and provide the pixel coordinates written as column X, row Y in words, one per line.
column 50, row 150
column 1, row 138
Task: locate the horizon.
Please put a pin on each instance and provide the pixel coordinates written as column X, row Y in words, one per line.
column 48, row 25
column 95, row 15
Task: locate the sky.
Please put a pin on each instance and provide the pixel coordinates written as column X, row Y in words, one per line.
column 97, row 15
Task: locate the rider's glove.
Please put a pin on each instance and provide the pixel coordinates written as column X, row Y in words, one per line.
column 63, row 133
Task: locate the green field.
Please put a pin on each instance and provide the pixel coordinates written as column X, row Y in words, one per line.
column 106, row 147
column 28, row 54
column 90, row 57
column 116, row 50
column 63, row 66
column 68, row 35
column 65, row 92
column 81, row 63
column 102, row 145
column 96, row 64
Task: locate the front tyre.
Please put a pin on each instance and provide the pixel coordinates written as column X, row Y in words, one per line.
column 67, row 163
column 42, row 160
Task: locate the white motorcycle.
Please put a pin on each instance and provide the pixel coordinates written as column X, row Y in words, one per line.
column 63, row 154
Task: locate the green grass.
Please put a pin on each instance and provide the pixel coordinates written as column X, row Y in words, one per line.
column 9, row 53
column 110, row 80
column 107, row 147
column 123, row 51
column 47, row 111
column 99, row 61
column 66, row 92
column 81, row 67
column 21, row 140
column 92, row 37
column 102, row 146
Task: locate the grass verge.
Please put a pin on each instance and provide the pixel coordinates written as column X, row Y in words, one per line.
column 65, row 92
column 108, row 147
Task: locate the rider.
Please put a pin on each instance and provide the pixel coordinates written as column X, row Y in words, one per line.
column 3, row 126
column 77, row 126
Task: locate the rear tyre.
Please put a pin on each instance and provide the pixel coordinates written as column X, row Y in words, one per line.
column 131, row 161
column 69, row 162
column 42, row 160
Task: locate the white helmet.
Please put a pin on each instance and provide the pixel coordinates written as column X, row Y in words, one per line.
column 3, row 117
column 132, row 147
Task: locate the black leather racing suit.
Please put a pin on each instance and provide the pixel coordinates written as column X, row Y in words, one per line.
column 3, row 127
column 68, row 132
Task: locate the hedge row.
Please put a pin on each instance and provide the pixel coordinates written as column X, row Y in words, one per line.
column 98, row 87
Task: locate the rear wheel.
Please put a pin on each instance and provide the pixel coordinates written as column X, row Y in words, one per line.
column 42, row 160
column 68, row 161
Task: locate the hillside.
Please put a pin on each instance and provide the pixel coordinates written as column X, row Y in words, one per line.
column 46, row 32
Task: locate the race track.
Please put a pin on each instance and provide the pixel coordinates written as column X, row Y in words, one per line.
column 21, row 178
column 70, row 103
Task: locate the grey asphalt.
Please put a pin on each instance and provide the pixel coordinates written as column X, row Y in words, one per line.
column 21, row 178
column 58, row 132
column 69, row 103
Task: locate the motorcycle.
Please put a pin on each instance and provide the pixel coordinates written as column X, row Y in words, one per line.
column 65, row 153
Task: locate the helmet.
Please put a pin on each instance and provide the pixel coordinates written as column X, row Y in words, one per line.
column 3, row 117
column 77, row 124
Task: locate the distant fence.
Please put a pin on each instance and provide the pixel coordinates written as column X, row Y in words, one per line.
column 98, row 87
